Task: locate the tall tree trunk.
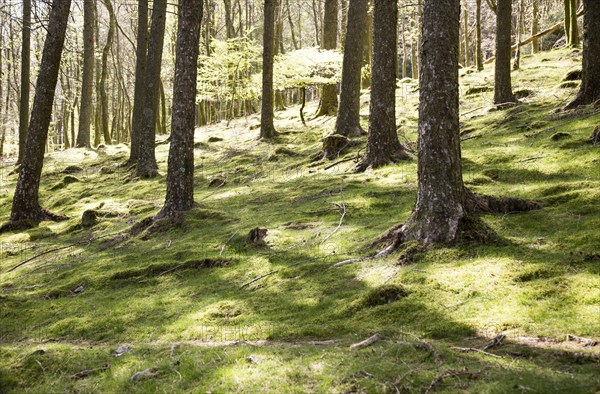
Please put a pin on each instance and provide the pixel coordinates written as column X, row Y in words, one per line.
column 147, row 167
column 87, row 84
column 315, row 12
column 466, row 33
column 329, row 102
column 291, row 22
column 502, row 78
column 26, row 204
column 229, row 28
column 383, row 146
column 103, row 89
column 180, row 175
column 348, row 119
column 440, row 196
column 267, row 129
column 590, row 83
column 478, row 36
column 535, row 25
column 25, row 78
column 520, row 28
column 571, row 28
column 141, row 53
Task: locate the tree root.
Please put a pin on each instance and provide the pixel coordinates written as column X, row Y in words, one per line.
column 478, row 203
column 379, row 161
column 595, row 137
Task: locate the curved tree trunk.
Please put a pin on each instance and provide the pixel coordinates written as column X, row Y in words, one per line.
column 87, row 84
column 141, row 53
column 180, row 175
column 348, row 119
column 439, row 208
column 267, row 129
column 590, row 81
column 383, row 146
column 329, row 102
column 25, row 77
column 26, row 200
column 146, row 167
column 502, row 78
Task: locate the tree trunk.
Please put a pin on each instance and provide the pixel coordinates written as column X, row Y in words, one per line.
column 329, row 102
column 571, row 29
column 520, row 28
column 25, row 78
column 502, row 78
column 478, row 38
column 535, row 25
column 147, row 167
column 291, row 22
column 348, row 119
column 26, row 199
column 466, row 33
column 439, row 208
column 103, row 89
column 87, row 84
column 180, row 175
column 141, row 53
column 315, row 13
column 590, row 82
column 229, row 29
column 267, row 129
column 383, row 146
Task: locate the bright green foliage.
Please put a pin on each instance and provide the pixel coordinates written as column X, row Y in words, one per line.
column 226, row 73
column 307, row 66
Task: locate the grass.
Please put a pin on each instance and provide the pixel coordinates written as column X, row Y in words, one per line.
column 178, row 297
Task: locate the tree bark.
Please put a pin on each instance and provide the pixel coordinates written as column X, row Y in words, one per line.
column 25, row 78
column 267, row 129
column 87, row 84
column 348, row 119
column 104, row 74
column 479, row 37
column 26, row 205
column 141, row 53
column 383, row 146
column 590, row 81
column 535, row 25
column 502, row 78
column 146, row 166
column 439, row 208
column 329, row 102
column 180, row 175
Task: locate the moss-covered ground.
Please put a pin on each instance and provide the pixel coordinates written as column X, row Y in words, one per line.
column 187, row 302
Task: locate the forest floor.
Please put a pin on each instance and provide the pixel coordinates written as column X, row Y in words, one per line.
column 201, row 310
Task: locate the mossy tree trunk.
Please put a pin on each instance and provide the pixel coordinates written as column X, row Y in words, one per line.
column 590, row 82
column 502, row 78
column 267, row 129
column 180, row 175
column 383, row 146
column 440, row 197
column 348, row 119
column 140, row 77
column 146, row 167
column 26, row 204
column 571, row 27
column 104, row 73
column 328, row 103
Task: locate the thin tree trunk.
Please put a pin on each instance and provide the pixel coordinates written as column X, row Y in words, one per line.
column 147, row 167
column 26, row 206
column 180, row 175
column 329, row 102
column 478, row 37
column 103, row 89
column 520, row 28
column 466, row 33
column 348, row 119
column 535, row 25
column 291, row 22
column 140, row 81
column 25, row 78
column 87, row 84
column 267, row 129
column 230, row 30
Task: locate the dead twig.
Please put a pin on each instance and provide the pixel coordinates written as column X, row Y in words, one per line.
column 343, row 207
column 472, row 349
column 367, row 342
column 87, row 372
column 497, row 341
column 226, row 242
column 450, row 374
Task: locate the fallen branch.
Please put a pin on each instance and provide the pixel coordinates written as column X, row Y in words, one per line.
column 584, row 341
column 87, row 372
column 497, row 341
column 355, row 158
column 472, row 349
column 367, row 342
column 226, row 242
column 449, row 374
column 350, row 261
column 273, row 272
column 530, row 39
column 343, row 206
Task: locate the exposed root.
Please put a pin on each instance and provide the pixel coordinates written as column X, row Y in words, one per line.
column 595, row 137
column 478, row 203
column 380, row 161
column 335, row 145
